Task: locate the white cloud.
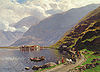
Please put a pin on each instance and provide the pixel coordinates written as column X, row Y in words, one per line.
column 4, row 25
column 11, row 11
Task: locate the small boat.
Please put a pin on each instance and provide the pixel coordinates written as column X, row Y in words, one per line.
column 27, row 68
column 37, row 59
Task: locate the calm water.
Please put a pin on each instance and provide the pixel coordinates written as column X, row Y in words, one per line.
column 13, row 60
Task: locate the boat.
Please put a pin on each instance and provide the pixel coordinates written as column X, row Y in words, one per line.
column 27, row 68
column 37, row 59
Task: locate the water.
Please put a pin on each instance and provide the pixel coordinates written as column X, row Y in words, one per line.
column 13, row 60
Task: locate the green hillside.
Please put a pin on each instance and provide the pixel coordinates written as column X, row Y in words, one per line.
column 85, row 34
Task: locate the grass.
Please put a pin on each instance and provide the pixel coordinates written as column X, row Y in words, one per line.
column 91, row 39
column 47, row 68
column 89, row 58
column 75, row 40
column 96, row 69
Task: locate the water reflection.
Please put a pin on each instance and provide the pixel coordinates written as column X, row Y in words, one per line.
column 15, row 60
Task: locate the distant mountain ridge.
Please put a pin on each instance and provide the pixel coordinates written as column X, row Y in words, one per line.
column 7, row 37
column 27, row 21
column 49, row 30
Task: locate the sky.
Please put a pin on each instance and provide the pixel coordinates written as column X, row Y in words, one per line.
column 12, row 11
column 21, row 1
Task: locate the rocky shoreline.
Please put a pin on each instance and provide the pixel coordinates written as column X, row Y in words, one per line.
column 66, row 67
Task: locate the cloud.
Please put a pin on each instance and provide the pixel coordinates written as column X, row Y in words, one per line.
column 4, row 25
column 12, row 11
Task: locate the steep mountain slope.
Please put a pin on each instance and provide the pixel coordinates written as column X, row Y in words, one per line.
column 86, row 34
column 51, row 29
column 7, row 37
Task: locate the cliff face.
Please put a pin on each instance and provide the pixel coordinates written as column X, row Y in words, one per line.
column 85, row 34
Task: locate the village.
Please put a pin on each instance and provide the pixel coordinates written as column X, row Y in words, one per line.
column 30, row 48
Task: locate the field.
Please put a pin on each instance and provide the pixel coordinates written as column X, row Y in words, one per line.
column 89, row 56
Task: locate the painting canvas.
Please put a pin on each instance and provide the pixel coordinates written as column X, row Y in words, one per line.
column 49, row 36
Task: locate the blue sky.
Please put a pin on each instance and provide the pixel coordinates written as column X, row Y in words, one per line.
column 21, row 1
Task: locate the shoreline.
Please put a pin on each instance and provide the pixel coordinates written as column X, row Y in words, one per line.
column 60, row 68
column 65, row 67
column 9, row 47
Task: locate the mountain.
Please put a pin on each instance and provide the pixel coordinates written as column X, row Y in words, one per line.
column 8, row 37
column 51, row 29
column 85, row 34
column 27, row 21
